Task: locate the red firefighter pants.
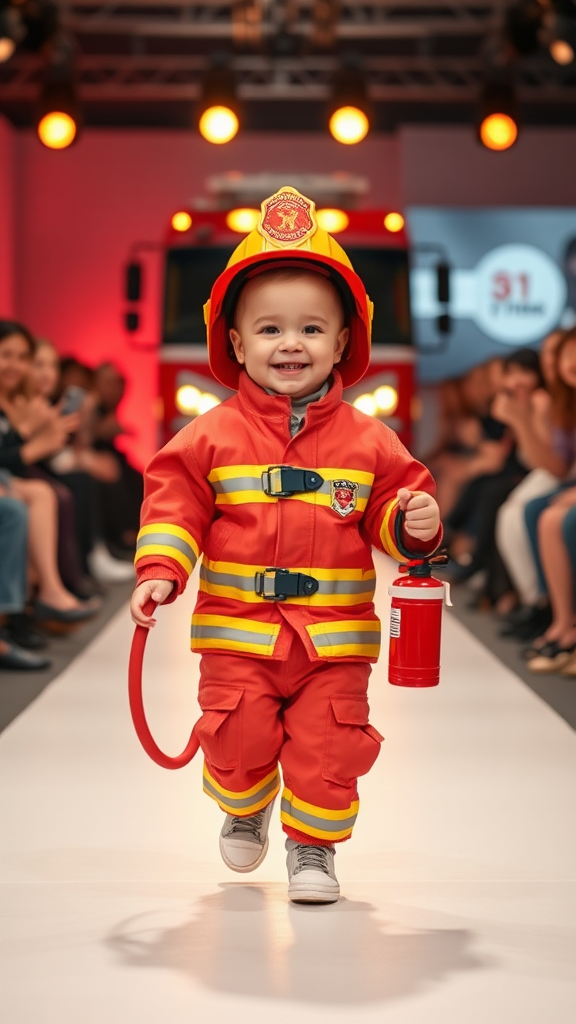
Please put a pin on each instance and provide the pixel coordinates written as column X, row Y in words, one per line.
column 309, row 717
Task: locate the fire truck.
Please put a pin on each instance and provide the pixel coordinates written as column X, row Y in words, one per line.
column 199, row 241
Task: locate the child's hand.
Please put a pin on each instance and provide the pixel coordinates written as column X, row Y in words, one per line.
column 158, row 590
column 421, row 514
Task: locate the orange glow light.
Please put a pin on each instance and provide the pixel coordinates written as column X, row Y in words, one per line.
column 57, row 130
column 349, row 125
column 181, row 221
column 242, row 220
column 7, row 47
column 561, row 51
column 332, row 220
column 218, row 125
column 498, row 132
column 393, row 222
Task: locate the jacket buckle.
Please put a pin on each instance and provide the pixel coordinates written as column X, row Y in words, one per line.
column 278, row 584
column 284, row 481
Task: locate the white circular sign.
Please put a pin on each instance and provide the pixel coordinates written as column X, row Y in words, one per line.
column 521, row 294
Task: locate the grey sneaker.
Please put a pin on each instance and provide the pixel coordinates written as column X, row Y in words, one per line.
column 244, row 841
column 311, row 873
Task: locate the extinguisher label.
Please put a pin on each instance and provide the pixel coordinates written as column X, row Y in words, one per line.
column 395, row 615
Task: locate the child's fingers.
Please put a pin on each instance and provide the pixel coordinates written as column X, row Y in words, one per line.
column 404, row 496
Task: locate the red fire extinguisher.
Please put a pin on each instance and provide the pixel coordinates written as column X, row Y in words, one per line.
column 416, row 622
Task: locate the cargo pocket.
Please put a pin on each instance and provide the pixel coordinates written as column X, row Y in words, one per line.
column 220, row 728
column 352, row 745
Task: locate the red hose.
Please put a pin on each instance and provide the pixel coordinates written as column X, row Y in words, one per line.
column 137, row 704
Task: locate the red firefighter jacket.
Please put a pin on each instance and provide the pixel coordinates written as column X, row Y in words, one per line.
column 205, row 491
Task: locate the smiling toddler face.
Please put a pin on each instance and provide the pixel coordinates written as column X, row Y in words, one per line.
column 289, row 331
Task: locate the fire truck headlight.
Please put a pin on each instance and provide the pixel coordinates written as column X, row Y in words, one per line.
column 242, row 220
column 207, row 401
column 366, row 403
column 386, row 398
column 181, row 221
column 393, row 222
column 332, row 220
column 187, row 399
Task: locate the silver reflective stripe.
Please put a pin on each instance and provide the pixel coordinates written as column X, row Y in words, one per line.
column 237, row 483
column 418, row 593
column 345, row 637
column 168, row 540
column 325, row 824
column 326, row 587
column 254, row 483
column 230, row 633
column 246, row 801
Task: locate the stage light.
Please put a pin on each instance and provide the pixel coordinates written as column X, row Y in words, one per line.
column 7, row 47
column 181, row 221
column 57, row 130
column 349, row 125
column 218, row 112
column 332, row 221
column 386, row 398
column 349, row 113
column 498, row 132
column 497, row 124
column 366, row 403
column 187, row 398
column 58, row 116
column 218, row 125
column 393, row 222
column 243, row 220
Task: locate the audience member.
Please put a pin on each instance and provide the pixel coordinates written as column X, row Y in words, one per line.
column 530, row 417
column 13, row 579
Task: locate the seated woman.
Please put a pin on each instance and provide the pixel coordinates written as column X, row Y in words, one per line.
column 31, row 431
column 550, row 523
column 530, row 418
column 79, row 466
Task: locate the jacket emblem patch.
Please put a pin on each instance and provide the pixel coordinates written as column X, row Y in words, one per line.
column 343, row 496
column 287, row 218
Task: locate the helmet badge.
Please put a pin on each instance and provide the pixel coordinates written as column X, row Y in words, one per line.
column 287, row 218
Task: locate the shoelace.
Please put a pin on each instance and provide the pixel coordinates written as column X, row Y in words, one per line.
column 252, row 825
column 315, row 857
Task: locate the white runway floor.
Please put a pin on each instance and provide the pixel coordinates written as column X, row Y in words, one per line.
column 459, row 885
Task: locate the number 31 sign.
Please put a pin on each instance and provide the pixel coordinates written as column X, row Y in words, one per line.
column 521, row 294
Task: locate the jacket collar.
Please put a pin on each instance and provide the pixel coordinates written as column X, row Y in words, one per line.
column 255, row 401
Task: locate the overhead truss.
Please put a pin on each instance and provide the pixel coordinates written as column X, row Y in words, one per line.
column 178, row 78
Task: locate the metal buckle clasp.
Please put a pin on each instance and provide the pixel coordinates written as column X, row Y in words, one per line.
column 265, row 585
column 272, row 482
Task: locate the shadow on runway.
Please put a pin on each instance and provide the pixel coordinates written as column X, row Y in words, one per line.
column 248, row 940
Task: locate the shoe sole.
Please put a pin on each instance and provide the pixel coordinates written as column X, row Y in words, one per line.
column 546, row 666
column 305, row 895
column 249, row 867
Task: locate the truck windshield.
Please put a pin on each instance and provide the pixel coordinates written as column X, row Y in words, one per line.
column 190, row 274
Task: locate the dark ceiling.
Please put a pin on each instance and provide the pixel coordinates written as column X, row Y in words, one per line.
column 141, row 62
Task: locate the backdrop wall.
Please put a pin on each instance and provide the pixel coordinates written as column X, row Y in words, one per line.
column 76, row 215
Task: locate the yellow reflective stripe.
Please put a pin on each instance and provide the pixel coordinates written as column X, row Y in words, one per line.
column 386, row 535
column 346, row 636
column 321, row 822
column 226, row 632
column 251, row 495
column 163, row 549
column 357, row 586
column 243, row 794
column 154, row 539
column 328, row 472
column 242, row 804
column 233, row 622
column 177, row 531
